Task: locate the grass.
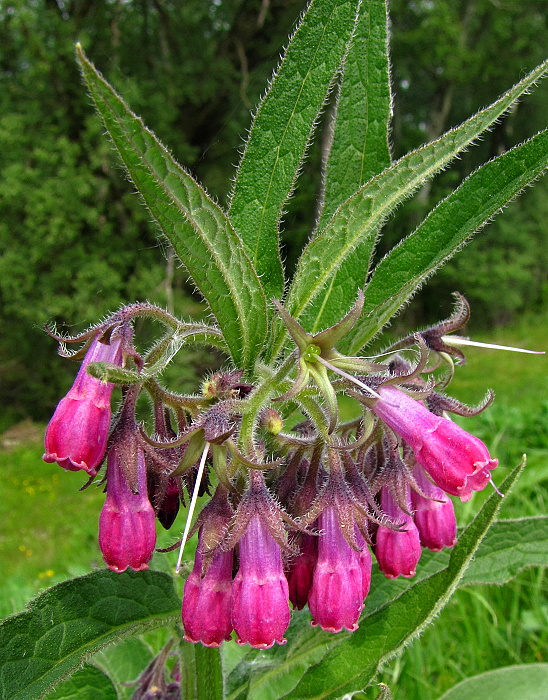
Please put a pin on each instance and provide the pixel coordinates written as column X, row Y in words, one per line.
column 49, row 530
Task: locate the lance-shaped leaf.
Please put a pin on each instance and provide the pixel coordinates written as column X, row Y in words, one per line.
column 509, row 547
column 197, row 228
column 405, row 268
column 63, row 626
column 359, row 147
column 282, row 129
column 357, row 220
column 353, row 664
column 359, row 150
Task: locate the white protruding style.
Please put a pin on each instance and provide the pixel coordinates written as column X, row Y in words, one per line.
column 192, row 505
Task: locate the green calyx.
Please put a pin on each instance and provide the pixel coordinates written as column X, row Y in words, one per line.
column 317, row 355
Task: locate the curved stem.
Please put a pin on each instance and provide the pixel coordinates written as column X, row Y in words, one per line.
column 256, row 401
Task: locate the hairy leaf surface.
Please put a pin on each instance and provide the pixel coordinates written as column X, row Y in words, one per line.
column 282, row 129
column 197, row 228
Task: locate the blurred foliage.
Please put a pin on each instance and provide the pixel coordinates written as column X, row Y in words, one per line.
column 74, row 240
column 450, row 58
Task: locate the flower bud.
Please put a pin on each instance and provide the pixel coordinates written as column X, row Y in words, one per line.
column 260, row 595
column 397, row 551
column 169, row 507
column 336, row 596
column 127, row 531
column 76, row 437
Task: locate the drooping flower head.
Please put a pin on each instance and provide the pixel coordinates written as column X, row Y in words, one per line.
column 296, row 512
column 127, row 532
column 260, row 594
column 260, row 598
column 336, row 574
column 336, row 596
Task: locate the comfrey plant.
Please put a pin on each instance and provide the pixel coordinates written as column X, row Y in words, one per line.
column 300, row 502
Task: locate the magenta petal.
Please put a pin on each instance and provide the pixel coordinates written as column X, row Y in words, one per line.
column 207, row 600
column 397, row 552
column 127, row 524
column 336, row 597
column 435, row 520
column 76, row 437
column 301, row 571
column 260, row 595
column 451, row 456
column 365, row 561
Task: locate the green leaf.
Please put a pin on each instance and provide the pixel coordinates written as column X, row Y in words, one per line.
column 63, row 626
column 508, row 547
column 358, row 219
column 89, row 683
column 398, row 276
column 282, row 129
column 270, row 676
column 197, row 228
column 353, row 663
column 526, row 682
column 359, row 150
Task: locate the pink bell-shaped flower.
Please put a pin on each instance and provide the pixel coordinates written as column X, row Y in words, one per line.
column 127, row 531
column 397, row 551
column 458, row 462
column 435, row 519
column 336, row 596
column 207, row 599
column 260, row 595
column 76, row 437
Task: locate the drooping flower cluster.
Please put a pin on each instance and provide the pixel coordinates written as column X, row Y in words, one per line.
column 296, row 513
